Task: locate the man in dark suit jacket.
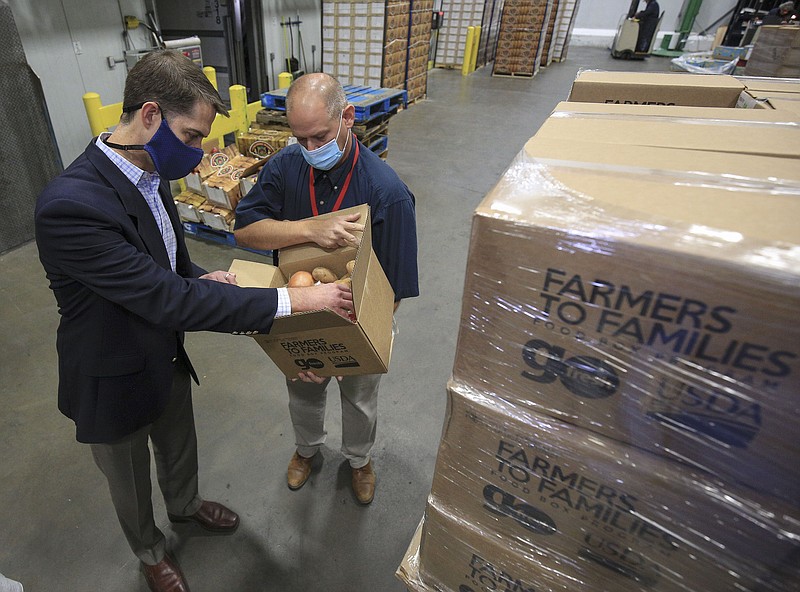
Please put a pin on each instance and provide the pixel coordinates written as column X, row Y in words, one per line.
column 113, row 249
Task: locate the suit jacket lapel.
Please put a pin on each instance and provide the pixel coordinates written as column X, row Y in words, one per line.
column 134, row 203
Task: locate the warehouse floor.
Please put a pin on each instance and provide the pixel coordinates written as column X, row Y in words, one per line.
column 58, row 531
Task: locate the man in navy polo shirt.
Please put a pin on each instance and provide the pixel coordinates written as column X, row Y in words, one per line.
column 328, row 170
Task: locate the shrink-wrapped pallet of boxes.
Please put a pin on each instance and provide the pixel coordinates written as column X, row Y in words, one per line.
column 623, row 406
column 776, row 52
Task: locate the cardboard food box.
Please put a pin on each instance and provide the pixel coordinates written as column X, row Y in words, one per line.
column 223, row 187
column 216, row 217
column 188, row 203
column 639, row 88
column 247, row 183
column 736, row 135
column 456, row 556
column 262, row 143
column 595, row 514
column 613, row 292
column 322, row 341
column 676, row 114
column 408, row 570
column 209, row 165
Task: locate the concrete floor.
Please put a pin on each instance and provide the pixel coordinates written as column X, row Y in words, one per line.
column 58, row 532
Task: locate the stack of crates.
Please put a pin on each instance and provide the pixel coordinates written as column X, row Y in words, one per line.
column 378, row 44
column 519, row 44
column 458, row 15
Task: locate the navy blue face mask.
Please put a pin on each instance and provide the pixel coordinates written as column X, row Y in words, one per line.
column 172, row 158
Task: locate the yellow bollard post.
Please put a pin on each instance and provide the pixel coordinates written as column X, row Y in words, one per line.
column 92, row 104
column 211, row 74
column 468, row 51
column 476, row 43
column 284, row 80
column 238, row 112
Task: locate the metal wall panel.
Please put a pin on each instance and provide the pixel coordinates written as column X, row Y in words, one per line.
column 29, row 158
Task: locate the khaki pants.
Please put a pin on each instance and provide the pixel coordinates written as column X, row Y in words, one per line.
column 359, row 395
column 126, row 466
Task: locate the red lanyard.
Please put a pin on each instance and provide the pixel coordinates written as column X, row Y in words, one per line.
column 312, row 192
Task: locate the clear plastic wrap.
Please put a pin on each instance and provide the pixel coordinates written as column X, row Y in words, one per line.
column 624, row 405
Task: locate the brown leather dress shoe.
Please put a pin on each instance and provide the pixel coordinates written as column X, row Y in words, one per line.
column 165, row 576
column 364, row 483
column 299, row 470
column 213, row 517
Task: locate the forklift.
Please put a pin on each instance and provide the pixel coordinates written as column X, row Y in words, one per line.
column 624, row 45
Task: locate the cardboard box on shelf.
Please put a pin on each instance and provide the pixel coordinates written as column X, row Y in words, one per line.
column 263, row 143
column 216, row 217
column 223, row 187
column 322, row 341
column 563, row 508
column 187, row 203
column 247, row 183
column 609, row 288
column 639, row 88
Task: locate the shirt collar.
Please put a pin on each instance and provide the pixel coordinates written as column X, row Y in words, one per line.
column 130, row 170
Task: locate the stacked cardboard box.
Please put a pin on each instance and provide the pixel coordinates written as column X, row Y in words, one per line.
column 214, row 188
column 352, row 41
column 380, row 44
column 635, row 88
column 776, row 52
column 565, row 22
column 623, row 408
column 781, row 94
column 452, row 37
column 550, row 29
column 521, row 37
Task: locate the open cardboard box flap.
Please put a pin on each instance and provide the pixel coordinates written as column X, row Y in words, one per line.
column 373, row 299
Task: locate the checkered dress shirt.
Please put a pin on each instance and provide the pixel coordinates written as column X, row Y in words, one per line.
column 147, row 184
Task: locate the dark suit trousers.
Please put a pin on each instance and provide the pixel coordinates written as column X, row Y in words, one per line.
column 126, row 465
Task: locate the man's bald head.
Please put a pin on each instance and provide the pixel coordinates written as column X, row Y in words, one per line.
column 311, row 89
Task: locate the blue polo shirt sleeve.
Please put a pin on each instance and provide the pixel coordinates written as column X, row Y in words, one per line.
column 394, row 238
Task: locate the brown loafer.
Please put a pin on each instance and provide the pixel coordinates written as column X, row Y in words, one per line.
column 212, row 517
column 364, row 483
column 165, row 576
column 299, row 470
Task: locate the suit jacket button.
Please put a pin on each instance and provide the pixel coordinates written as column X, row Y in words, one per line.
column 174, row 360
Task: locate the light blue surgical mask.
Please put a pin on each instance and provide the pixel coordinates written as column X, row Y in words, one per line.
column 326, row 156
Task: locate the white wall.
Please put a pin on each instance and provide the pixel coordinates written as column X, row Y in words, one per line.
column 597, row 20
column 48, row 29
column 310, row 15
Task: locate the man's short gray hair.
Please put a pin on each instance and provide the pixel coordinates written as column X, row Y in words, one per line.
column 325, row 86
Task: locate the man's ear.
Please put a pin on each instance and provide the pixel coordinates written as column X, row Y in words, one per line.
column 349, row 116
column 150, row 114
